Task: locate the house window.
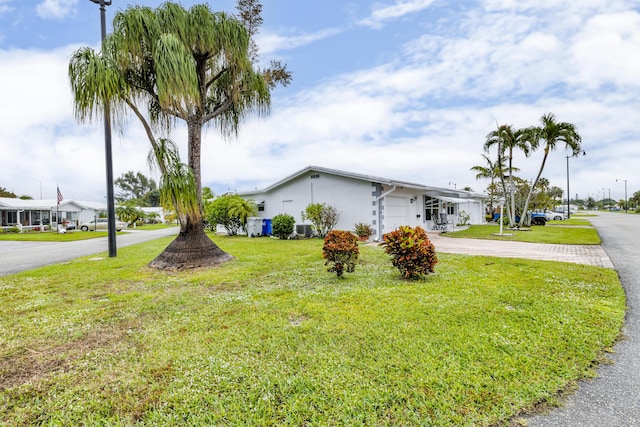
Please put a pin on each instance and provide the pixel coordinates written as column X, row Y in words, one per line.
column 12, row 217
column 451, row 210
column 430, row 207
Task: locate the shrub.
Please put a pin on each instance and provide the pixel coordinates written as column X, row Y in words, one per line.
column 323, row 217
column 463, row 218
column 282, row 225
column 219, row 212
column 411, row 251
column 363, row 230
column 340, row 251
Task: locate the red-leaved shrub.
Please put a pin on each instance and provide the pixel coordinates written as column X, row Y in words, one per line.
column 411, row 251
column 340, row 251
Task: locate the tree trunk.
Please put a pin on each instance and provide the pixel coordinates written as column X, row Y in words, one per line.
column 191, row 249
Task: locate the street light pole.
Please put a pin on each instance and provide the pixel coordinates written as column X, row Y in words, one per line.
column 111, row 214
column 568, row 193
column 584, row 153
column 626, row 203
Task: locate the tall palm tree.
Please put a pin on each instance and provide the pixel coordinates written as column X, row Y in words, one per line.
column 508, row 140
column 170, row 65
column 552, row 133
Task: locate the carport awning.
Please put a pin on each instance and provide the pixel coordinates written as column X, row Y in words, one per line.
column 454, row 199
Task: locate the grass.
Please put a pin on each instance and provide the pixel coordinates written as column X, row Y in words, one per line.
column 571, row 221
column 52, row 236
column 560, row 234
column 69, row 236
column 271, row 338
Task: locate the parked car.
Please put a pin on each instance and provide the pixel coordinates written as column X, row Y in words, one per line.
column 554, row 216
column 101, row 224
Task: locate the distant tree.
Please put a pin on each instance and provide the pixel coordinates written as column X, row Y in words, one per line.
column 508, row 140
column 242, row 209
column 6, row 193
column 26, row 197
column 134, row 187
column 151, row 199
column 635, row 199
column 129, row 213
column 552, row 133
column 229, row 211
column 207, row 194
column 490, row 170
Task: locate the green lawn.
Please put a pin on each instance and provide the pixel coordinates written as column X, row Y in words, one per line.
column 52, row 236
column 561, row 232
column 272, row 339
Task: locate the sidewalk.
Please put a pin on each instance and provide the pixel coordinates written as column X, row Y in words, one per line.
column 579, row 254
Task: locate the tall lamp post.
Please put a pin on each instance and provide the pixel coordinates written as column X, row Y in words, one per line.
column 111, row 214
column 584, row 153
column 626, row 203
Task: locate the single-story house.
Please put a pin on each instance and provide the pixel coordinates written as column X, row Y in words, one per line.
column 33, row 213
column 383, row 203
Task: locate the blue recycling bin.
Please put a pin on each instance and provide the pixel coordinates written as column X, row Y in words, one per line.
column 267, row 229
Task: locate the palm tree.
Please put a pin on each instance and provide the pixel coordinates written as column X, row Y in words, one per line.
column 242, row 209
column 491, row 171
column 507, row 139
column 168, row 65
column 552, row 133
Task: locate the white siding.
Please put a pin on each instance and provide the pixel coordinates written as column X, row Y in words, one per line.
column 352, row 198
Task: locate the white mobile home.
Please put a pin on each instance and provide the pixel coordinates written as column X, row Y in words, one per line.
column 33, row 213
column 383, row 203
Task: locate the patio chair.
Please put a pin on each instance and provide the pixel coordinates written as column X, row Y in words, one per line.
column 438, row 223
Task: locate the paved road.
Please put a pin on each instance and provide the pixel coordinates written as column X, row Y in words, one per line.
column 20, row 256
column 612, row 399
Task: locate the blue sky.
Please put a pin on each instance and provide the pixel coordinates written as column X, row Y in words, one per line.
column 404, row 89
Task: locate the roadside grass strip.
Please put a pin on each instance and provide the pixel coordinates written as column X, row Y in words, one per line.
column 560, row 234
column 272, row 339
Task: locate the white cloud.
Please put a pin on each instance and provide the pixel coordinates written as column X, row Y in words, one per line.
column 382, row 13
column 272, row 42
column 56, row 9
column 420, row 116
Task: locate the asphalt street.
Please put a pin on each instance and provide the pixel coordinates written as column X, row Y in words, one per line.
column 20, row 256
column 613, row 398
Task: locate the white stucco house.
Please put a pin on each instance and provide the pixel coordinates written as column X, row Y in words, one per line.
column 30, row 213
column 383, row 203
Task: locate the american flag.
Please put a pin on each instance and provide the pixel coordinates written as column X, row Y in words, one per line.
column 59, row 195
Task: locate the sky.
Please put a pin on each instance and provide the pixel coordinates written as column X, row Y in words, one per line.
column 400, row 89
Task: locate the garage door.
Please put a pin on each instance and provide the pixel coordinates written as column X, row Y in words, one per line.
column 396, row 212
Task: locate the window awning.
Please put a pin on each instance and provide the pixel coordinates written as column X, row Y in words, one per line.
column 455, row 199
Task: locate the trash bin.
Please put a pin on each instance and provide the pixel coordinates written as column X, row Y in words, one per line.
column 266, row 227
column 254, row 227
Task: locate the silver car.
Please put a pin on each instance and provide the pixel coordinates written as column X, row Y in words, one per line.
column 101, row 224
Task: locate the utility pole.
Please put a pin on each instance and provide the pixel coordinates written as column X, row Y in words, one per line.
column 111, row 210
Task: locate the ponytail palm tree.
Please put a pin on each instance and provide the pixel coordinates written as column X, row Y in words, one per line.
column 171, row 65
column 552, row 133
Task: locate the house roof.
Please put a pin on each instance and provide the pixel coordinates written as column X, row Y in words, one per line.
column 46, row 204
column 428, row 190
column 15, row 203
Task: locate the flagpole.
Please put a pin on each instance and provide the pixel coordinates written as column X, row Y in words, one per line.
column 57, row 208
